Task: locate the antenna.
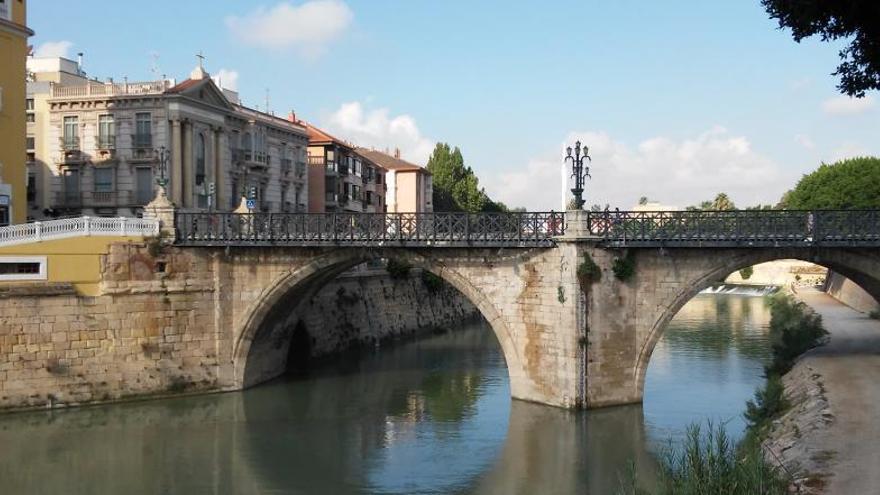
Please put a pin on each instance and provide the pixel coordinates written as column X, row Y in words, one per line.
column 267, row 100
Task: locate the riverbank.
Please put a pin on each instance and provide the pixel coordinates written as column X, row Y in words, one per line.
column 833, row 424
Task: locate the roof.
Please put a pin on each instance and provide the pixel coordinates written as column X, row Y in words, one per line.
column 389, row 162
column 185, row 85
column 318, row 136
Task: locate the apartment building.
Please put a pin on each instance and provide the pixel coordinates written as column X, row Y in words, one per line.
column 340, row 178
column 100, row 146
column 409, row 187
column 13, row 55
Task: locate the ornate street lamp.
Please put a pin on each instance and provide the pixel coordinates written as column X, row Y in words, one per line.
column 162, row 155
column 579, row 172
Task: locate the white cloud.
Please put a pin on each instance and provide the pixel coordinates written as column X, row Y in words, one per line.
column 673, row 172
column 308, row 27
column 226, row 78
column 377, row 128
column 804, row 141
column 53, row 49
column 844, row 105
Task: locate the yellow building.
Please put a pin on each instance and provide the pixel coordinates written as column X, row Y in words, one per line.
column 13, row 56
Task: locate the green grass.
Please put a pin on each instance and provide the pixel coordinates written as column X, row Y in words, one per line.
column 708, row 463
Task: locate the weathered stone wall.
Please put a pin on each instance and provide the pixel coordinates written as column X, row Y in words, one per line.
column 368, row 308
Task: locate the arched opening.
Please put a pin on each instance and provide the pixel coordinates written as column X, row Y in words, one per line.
column 264, row 341
column 705, row 353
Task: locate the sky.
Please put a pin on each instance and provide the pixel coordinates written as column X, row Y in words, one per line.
column 677, row 100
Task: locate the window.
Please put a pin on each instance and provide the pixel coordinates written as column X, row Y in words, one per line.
column 143, row 130
column 71, row 186
column 201, row 190
column 30, row 117
column 144, row 185
column 29, row 142
column 29, row 104
column 106, row 132
column 71, row 132
column 22, row 268
column 31, row 188
column 104, row 179
column 6, row 10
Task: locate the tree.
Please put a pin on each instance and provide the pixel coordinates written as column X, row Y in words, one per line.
column 857, row 21
column 850, row 183
column 643, row 200
column 456, row 187
column 722, row 202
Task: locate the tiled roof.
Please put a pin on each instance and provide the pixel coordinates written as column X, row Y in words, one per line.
column 389, row 162
column 318, row 136
column 185, row 85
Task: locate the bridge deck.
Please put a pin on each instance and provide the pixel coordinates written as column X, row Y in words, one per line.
column 370, row 229
column 616, row 229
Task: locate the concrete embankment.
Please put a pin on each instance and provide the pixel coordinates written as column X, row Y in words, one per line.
column 832, row 429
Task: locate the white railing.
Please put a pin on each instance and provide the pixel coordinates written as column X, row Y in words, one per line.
column 77, row 227
column 109, row 89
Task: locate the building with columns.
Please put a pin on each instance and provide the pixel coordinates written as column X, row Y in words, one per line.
column 105, row 142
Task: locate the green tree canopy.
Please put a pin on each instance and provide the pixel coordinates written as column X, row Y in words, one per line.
column 456, row 186
column 851, row 183
column 856, row 21
column 721, row 202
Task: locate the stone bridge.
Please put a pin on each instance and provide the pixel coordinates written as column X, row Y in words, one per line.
column 212, row 307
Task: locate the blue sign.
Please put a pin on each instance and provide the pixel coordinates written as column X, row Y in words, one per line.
column 251, row 204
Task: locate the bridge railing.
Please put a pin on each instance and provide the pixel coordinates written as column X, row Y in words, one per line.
column 736, row 228
column 411, row 229
column 77, row 227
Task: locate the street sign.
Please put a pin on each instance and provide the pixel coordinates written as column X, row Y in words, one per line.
column 251, row 204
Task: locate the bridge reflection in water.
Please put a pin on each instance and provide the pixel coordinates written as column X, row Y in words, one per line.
column 430, row 416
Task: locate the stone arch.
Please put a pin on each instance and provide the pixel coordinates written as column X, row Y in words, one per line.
column 303, row 282
column 860, row 266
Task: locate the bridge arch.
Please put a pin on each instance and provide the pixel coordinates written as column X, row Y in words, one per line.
column 859, row 265
column 284, row 295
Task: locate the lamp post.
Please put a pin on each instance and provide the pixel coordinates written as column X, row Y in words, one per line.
column 162, row 155
column 578, row 171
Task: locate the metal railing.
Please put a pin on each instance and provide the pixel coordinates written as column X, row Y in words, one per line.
column 107, row 142
column 370, row 229
column 142, row 140
column 736, row 228
column 70, row 143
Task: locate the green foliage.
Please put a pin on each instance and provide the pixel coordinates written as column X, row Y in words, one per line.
column 588, row 271
column 794, row 329
column 432, row 282
column 852, row 21
column 624, row 268
column 397, row 269
column 709, row 463
column 852, row 183
column 721, row 202
column 456, row 186
column 747, row 272
column 560, row 294
column 769, row 403
column 643, row 200
column 874, row 314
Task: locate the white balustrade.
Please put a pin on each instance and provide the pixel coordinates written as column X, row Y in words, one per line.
column 77, row 227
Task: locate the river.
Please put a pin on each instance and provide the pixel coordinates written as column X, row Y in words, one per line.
column 429, row 416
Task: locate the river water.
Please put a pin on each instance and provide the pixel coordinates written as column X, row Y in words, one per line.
column 430, row 416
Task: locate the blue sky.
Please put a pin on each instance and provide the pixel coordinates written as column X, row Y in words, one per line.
column 678, row 100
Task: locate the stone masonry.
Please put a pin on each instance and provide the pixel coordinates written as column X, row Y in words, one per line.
column 177, row 320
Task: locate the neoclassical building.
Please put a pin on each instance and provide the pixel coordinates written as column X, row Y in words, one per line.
column 105, row 144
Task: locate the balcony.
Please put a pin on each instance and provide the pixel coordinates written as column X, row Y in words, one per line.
column 106, row 143
column 104, row 197
column 70, row 143
column 250, row 158
column 142, row 141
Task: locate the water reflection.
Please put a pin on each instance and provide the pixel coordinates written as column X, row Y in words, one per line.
column 432, row 416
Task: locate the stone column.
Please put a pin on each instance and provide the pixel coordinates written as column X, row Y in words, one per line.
column 217, row 170
column 160, row 208
column 176, row 173
column 188, row 168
